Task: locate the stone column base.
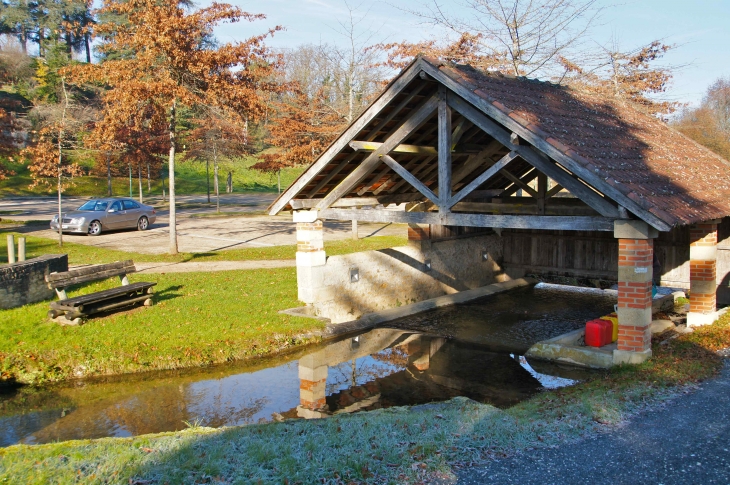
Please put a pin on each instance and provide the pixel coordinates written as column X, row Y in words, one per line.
column 696, row 319
column 628, row 357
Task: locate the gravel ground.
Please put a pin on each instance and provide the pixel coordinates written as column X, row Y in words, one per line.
column 685, row 442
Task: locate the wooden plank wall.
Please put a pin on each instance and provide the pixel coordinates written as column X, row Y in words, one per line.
column 595, row 255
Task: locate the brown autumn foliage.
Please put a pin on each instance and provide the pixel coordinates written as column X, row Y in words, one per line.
column 306, row 125
column 173, row 63
column 630, row 75
column 44, row 156
column 709, row 123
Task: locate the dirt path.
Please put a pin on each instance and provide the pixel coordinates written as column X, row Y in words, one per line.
column 210, row 266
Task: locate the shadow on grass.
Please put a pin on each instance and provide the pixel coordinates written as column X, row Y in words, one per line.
column 167, row 294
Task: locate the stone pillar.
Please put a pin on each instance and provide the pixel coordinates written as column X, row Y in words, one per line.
column 312, row 386
column 702, row 274
column 635, row 256
column 311, row 257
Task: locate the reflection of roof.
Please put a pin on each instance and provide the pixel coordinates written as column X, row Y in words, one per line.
column 632, row 158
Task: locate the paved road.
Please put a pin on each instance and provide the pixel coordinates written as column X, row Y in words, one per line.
column 195, row 234
column 687, row 442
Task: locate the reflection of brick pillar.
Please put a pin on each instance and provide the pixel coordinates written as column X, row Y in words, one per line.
column 312, row 381
column 311, row 257
column 702, row 274
column 635, row 256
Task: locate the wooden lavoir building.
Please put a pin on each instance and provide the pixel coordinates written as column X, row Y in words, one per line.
column 498, row 176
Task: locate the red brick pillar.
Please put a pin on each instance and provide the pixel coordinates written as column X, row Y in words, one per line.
column 635, row 256
column 702, row 274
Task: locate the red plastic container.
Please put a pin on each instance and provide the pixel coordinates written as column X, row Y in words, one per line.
column 599, row 333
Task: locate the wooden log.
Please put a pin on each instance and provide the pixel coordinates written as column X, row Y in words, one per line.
column 119, row 304
column 371, row 146
column 90, row 273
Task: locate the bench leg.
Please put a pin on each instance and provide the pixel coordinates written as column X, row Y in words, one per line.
column 148, row 302
column 65, row 320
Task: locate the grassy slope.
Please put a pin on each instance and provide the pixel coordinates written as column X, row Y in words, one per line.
column 197, row 319
column 388, row 446
column 190, row 178
column 82, row 254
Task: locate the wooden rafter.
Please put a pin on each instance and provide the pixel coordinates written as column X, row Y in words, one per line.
column 408, row 176
column 444, row 151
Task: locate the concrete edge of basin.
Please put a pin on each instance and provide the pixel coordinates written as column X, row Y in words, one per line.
column 564, row 348
column 374, row 319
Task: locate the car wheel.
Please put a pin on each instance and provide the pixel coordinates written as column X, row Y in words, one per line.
column 143, row 224
column 94, row 228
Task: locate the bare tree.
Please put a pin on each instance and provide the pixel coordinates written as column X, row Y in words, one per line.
column 524, row 37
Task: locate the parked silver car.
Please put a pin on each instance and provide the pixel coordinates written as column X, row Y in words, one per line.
column 106, row 214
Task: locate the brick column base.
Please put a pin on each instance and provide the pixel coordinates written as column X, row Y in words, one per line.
column 702, row 274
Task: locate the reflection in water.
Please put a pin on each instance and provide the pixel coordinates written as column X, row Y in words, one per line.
column 377, row 369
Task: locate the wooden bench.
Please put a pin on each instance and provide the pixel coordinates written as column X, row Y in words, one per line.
column 71, row 311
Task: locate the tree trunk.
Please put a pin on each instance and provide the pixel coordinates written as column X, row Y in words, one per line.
column 215, row 180
column 207, row 176
column 88, row 48
column 278, row 180
column 173, row 215
column 139, row 179
column 59, row 186
column 149, row 183
column 130, row 180
column 109, row 174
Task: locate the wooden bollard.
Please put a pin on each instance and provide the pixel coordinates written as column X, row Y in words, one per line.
column 11, row 249
column 21, row 248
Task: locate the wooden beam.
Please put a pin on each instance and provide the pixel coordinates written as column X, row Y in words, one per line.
column 541, row 144
column 393, row 90
column 541, row 191
column 475, row 161
column 526, row 179
column 555, row 190
column 518, row 182
column 522, row 208
column 539, row 161
column 486, row 175
column 568, row 223
column 332, row 174
column 409, row 167
column 404, row 131
column 408, row 176
column 444, row 151
column 297, row 204
column 371, row 146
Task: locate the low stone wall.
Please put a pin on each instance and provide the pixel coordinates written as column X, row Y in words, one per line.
column 24, row 283
column 399, row 276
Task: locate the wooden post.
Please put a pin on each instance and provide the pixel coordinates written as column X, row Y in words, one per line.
column 542, row 182
column 11, row 248
column 21, row 248
column 444, row 149
column 354, row 229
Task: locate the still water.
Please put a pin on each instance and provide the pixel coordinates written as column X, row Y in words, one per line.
column 472, row 350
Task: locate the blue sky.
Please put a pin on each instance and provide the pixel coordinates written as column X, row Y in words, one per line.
column 699, row 27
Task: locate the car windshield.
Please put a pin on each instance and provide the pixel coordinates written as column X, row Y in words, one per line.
column 94, row 205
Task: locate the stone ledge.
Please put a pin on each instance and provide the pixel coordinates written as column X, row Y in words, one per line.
column 371, row 320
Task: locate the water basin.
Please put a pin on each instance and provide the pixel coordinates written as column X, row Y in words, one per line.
column 472, row 350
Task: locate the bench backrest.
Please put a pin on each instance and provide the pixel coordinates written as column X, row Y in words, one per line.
column 90, row 273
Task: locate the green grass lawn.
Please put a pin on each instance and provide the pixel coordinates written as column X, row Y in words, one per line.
column 82, row 254
column 395, row 445
column 190, row 178
column 198, row 319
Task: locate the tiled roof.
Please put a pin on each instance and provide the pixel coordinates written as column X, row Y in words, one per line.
column 663, row 171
